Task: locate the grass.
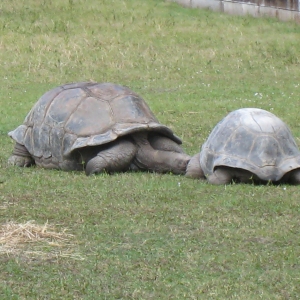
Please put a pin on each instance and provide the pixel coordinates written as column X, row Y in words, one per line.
column 140, row 235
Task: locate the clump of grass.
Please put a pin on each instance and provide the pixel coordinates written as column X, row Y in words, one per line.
column 15, row 237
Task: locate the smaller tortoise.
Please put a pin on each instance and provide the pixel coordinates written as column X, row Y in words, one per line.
column 97, row 127
column 248, row 145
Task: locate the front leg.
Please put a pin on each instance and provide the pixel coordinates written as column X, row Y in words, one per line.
column 115, row 157
column 194, row 169
column 221, row 175
column 21, row 157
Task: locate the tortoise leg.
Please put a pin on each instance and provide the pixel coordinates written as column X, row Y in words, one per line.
column 194, row 169
column 160, row 161
column 221, row 175
column 21, row 157
column 294, row 176
column 160, row 142
column 244, row 176
column 116, row 157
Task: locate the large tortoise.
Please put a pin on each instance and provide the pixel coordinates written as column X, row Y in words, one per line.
column 248, row 145
column 96, row 127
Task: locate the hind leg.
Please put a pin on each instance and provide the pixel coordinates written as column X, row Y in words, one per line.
column 160, row 142
column 161, row 161
column 21, row 157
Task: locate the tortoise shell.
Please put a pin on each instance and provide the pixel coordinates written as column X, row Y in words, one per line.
column 254, row 140
column 78, row 115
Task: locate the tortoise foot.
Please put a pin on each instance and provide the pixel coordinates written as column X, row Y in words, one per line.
column 20, row 161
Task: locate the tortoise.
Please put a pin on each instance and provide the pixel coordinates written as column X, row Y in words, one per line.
column 249, row 145
column 96, row 127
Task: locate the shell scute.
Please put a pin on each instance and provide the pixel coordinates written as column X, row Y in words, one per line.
column 38, row 112
column 266, row 152
column 129, row 109
column 239, row 140
column 62, row 107
column 91, row 117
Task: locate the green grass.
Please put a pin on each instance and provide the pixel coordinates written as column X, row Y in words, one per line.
column 140, row 235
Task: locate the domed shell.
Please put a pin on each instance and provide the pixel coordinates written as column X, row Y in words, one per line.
column 251, row 139
column 84, row 114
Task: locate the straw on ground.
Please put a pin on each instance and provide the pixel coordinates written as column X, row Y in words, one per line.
column 31, row 239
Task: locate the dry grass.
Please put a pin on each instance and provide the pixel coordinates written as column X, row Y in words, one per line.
column 31, row 240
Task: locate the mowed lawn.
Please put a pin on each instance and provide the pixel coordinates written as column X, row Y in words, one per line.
column 143, row 235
